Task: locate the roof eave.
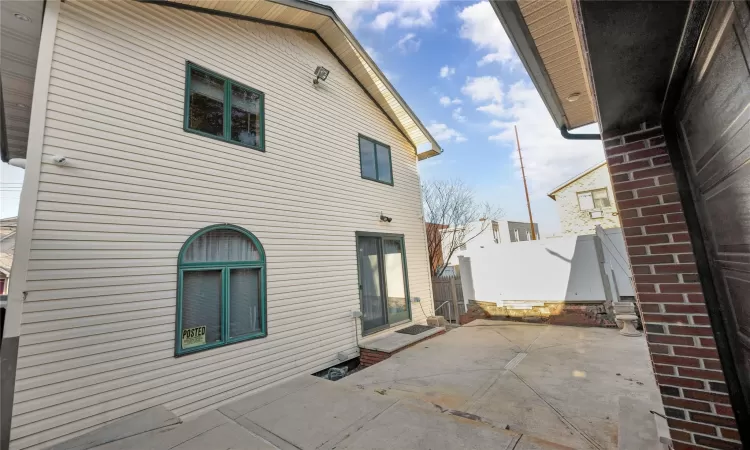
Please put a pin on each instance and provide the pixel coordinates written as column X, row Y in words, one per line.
column 509, row 14
column 327, row 11
column 570, row 181
column 436, row 149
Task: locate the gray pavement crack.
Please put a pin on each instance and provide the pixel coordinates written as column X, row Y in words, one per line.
column 200, row 434
column 396, row 380
column 560, row 415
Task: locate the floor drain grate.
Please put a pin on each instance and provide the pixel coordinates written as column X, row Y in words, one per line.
column 414, row 329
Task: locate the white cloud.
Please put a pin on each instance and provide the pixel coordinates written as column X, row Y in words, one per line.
column 458, row 116
column 391, row 76
column 447, row 72
column 482, row 89
column 383, row 20
column 549, row 159
column 447, row 101
column 351, row 12
column 487, row 90
column 373, row 54
column 406, row 14
column 480, row 26
column 409, row 43
column 442, row 132
column 495, row 109
column 401, row 13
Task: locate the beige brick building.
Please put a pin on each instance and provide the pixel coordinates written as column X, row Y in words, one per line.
column 585, row 201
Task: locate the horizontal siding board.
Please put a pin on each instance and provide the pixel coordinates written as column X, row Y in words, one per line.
column 209, row 49
column 130, row 371
column 97, row 333
column 228, row 373
column 57, row 344
column 44, row 336
column 161, row 380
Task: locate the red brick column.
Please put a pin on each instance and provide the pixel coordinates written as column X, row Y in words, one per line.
column 679, row 335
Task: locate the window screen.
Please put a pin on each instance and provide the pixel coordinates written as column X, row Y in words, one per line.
column 596, row 199
column 601, row 199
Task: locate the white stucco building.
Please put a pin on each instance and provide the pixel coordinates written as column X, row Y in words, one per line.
column 494, row 233
column 585, row 201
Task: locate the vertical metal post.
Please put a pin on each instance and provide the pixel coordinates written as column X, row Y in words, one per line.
column 525, row 187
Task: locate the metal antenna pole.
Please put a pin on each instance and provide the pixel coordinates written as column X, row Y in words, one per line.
column 525, row 187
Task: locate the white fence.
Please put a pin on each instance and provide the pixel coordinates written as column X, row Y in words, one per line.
column 591, row 268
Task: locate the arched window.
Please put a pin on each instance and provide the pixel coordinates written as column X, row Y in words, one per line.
column 221, row 289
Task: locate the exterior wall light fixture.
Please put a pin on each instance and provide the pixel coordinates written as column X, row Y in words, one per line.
column 385, row 218
column 321, row 73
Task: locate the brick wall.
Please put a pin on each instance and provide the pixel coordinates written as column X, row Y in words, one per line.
column 680, row 339
column 369, row 357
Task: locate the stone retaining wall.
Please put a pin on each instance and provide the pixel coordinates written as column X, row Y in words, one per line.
column 578, row 314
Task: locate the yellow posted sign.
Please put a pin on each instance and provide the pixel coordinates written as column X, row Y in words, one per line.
column 193, row 337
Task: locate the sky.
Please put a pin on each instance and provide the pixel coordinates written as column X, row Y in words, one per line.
column 456, row 68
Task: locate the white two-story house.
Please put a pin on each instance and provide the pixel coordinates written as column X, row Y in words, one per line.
column 585, row 201
column 212, row 189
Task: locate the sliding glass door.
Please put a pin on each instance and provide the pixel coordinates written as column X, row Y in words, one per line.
column 383, row 281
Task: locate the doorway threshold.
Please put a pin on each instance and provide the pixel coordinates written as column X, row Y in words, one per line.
column 381, row 346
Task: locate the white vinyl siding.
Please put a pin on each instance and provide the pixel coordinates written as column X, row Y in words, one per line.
column 97, row 332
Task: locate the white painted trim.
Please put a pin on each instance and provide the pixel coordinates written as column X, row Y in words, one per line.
column 30, row 190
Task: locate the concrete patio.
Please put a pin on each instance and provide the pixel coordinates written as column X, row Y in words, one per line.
column 489, row 384
column 556, row 383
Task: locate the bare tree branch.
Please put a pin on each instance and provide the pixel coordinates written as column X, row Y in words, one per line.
column 454, row 217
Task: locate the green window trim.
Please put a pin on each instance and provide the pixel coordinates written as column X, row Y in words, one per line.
column 377, row 169
column 228, row 84
column 388, row 236
column 225, row 267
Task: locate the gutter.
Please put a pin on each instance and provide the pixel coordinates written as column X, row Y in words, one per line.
column 509, row 14
column 579, row 137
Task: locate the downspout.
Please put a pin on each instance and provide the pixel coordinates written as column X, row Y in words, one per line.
column 579, row 137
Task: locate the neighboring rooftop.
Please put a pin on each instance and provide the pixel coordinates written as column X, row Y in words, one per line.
column 580, row 175
column 7, row 243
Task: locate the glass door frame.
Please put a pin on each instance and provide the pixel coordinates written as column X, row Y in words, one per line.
column 383, row 281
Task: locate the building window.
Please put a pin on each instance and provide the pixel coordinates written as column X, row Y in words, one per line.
column 221, row 289
column 596, row 199
column 220, row 108
column 375, row 160
column 496, row 232
column 515, row 234
column 528, row 235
